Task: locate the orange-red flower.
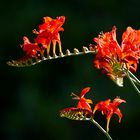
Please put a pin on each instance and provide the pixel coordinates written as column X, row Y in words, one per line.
column 131, row 48
column 49, row 32
column 83, row 102
column 113, row 58
column 108, row 108
column 83, row 109
column 31, row 49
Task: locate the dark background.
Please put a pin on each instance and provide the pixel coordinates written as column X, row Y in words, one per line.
column 31, row 97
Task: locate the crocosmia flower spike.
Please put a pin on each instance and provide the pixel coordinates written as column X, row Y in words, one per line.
column 109, row 108
column 115, row 59
column 39, row 50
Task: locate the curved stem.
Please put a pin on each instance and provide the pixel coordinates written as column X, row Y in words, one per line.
column 132, row 82
column 134, row 78
column 135, row 81
column 106, row 133
column 35, row 60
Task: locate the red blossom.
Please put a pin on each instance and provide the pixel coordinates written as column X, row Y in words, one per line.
column 113, row 58
column 107, row 108
column 49, row 31
column 131, row 48
column 83, row 102
column 107, row 44
column 29, row 48
column 83, row 109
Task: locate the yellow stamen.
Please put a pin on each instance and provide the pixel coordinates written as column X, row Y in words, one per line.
column 48, row 50
column 107, row 126
column 75, row 96
column 54, row 48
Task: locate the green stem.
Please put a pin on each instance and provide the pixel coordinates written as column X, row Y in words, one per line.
column 75, row 52
column 106, row 133
column 135, row 81
column 134, row 78
column 132, row 82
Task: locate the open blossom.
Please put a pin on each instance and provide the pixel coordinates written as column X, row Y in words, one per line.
column 83, row 102
column 83, row 109
column 113, row 58
column 49, row 32
column 131, row 48
column 109, row 108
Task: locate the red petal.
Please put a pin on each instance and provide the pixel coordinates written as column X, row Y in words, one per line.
column 118, row 101
column 118, row 112
column 84, row 91
column 84, row 104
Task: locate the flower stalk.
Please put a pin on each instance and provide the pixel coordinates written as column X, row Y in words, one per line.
column 25, row 61
column 99, row 126
column 133, row 81
column 134, row 78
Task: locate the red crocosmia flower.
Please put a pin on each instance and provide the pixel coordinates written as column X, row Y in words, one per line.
column 82, row 111
column 131, row 48
column 113, row 58
column 83, row 102
column 49, row 31
column 29, row 48
column 108, row 108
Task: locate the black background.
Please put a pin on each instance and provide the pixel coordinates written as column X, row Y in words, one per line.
column 31, row 97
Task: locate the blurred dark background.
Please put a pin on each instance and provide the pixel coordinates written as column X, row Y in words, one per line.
column 31, row 97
